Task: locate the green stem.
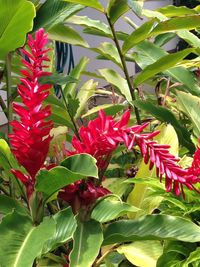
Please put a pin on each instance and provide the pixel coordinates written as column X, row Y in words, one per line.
column 72, row 119
column 125, row 69
column 9, row 91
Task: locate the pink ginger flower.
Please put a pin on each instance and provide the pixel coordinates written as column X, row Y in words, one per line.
column 102, row 136
column 30, row 139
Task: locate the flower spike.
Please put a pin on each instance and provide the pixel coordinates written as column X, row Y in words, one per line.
column 30, row 138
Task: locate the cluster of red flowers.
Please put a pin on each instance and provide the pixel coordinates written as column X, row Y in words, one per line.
column 30, row 139
column 102, row 136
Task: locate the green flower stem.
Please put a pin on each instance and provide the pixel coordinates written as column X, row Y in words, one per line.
column 9, row 90
column 72, row 119
column 125, row 69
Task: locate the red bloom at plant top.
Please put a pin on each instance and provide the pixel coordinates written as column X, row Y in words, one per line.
column 102, row 136
column 30, row 139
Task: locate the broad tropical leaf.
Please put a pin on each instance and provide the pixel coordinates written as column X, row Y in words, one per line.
column 65, row 227
column 16, row 19
column 110, row 208
column 142, row 253
column 87, row 238
column 21, row 241
column 156, row 227
column 54, row 12
column 73, row 168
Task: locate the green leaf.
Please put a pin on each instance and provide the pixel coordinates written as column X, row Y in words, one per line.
column 174, row 24
column 115, row 9
column 164, row 38
column 16, row 19
column 91, row 23
column 109, row 51
column 72, row 105
column 90, row 3
column 162, row 64
column 65, row 228
column 194, row 257
column 117, row 80
column 136, row 6
column 5, row 150
column 140, row 196
column 156, row 227
column 73, row 168
column 87, row 238
column 57, row 78
column 174, row 11
column 189, row 37
column 85, row 92
column 7, row 205
column 148, row 53
column 142, row 253
column 165, row 115
column 76, row 74
column 191, row 110
column 21, row 242
column 60, row 116
column 66, row 34
column 110, row 208
column 140, row 34
column 54, row 12
column 110, row 109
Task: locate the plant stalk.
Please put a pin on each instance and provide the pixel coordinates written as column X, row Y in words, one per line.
column 125, row 69
column 9, row 90
column 72, row 119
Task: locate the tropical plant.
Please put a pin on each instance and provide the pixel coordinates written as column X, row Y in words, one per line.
column 80, row 187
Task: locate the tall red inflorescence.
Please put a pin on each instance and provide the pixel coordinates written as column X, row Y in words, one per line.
column 30, row 138
column 102, row 136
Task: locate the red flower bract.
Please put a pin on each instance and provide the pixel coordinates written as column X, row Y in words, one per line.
column 30, row 139
column 102, row 136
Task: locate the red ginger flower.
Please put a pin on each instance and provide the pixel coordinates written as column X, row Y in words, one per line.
column 82, row 193
column 30, row 139
column 102, row 136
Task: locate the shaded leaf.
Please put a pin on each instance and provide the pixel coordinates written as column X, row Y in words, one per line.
column 7, row 205
column 54, row 12
column 152, row 227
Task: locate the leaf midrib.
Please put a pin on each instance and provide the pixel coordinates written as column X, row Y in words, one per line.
column 22, row 247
